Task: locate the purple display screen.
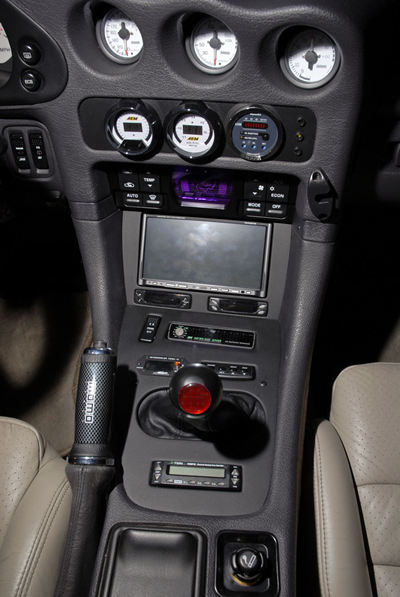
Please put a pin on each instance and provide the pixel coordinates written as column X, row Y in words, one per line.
column 192, row 188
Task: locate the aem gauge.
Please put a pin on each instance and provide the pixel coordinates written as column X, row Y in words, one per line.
column 310, row 59
column 212, row 47
column 194, row 131
column 119, row 37
column 256, row 134
column 134, row 129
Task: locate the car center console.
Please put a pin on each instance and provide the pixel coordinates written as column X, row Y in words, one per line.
column 205, row 255
column 204, row 157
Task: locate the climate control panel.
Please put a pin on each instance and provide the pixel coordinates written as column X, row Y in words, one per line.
column 200, row 191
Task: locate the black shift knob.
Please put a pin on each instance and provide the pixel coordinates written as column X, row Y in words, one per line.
column 196, row 391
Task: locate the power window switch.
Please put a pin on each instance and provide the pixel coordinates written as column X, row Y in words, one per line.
column 149, row 329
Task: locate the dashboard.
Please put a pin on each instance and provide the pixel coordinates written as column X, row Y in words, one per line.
column 204, row 156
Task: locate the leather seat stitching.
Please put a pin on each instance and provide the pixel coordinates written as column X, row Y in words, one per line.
column 322, row 510
column 60, row 498
column 27, row 575
column 378, row 484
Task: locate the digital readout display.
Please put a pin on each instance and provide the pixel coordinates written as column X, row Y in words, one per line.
column 254, row 125
column 133, row 127
column 196, row 471
column 192, row 129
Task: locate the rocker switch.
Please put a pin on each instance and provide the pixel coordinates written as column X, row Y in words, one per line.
column 149, row 329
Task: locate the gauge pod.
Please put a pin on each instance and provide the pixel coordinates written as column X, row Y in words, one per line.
column 134, row 129
column 311, row 59
column 256, row 133
column 119, row 37
column 212, row 47
column 194, row 131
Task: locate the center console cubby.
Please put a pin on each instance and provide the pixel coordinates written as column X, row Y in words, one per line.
column 150, row 558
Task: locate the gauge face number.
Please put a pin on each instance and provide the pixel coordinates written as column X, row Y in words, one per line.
column 312, row 58
column 120, row 37
column 193, row 135
column 214, row 46
column 130, row 126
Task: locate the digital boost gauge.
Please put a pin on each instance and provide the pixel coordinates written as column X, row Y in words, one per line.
column 256, row 134
column 194, row 132
column 134, row 129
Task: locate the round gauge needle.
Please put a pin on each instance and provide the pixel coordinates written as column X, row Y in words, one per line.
column 216, row 44
column 124, row 34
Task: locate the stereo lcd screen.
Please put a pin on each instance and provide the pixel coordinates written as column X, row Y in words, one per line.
column 213, row 255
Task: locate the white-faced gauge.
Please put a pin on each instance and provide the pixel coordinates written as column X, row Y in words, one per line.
column 119, row 37
column 212, row 46
column 134, row 129
column 310, row 59
column 194, row 131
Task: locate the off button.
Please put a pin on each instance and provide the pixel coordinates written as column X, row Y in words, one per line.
column 31, row 80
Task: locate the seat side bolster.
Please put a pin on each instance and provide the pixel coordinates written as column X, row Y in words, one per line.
column 32, row 549
column 342, row 562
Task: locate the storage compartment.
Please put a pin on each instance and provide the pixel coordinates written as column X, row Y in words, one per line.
column 153, row 561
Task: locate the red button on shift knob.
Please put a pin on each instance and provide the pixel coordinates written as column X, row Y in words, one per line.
column 196, row 391
column 194, row 399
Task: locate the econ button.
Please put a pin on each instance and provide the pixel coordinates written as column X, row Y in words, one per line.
column 31, row 80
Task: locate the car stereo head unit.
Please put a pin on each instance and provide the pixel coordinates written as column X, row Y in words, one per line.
column 201, row 254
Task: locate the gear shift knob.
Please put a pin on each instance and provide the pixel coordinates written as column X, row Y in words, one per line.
column 196, row 391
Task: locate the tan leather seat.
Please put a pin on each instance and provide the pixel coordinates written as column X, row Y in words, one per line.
column 357, row 485
column 35, row 501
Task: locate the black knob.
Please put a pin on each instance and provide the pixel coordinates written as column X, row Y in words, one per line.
column 248, row 565
column 196, row 391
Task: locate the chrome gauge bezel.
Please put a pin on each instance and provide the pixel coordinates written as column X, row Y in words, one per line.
column 286, row 54
column 190, row 50
column 104, row 45
column 127, row 146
